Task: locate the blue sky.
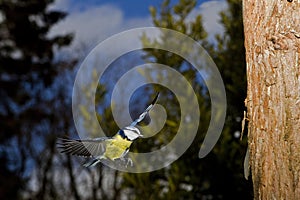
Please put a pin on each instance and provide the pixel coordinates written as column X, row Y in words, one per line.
column 131, row 8
column 93, row 21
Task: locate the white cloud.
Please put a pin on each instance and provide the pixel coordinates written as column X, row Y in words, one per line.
column 62, row 5
column 95, row 24
column 210, row 12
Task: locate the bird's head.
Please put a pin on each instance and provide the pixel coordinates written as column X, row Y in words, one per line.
column 132, row 133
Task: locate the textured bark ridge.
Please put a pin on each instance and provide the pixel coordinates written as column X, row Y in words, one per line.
column 272, row 42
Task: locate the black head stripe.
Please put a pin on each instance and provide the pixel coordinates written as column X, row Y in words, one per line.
column 122, row 134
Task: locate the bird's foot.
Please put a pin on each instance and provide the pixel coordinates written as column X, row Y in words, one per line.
column 127, row 161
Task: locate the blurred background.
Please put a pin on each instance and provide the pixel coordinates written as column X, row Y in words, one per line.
column 42, row 44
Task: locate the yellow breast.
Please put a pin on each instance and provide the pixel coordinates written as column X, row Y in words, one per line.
column 116, row 147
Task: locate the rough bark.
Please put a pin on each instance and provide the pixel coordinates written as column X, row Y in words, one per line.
column 272, row 42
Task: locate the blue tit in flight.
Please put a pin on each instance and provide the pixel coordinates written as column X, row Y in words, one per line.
column 110, row 148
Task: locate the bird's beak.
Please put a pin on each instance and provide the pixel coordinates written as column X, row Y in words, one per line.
column 141, row 136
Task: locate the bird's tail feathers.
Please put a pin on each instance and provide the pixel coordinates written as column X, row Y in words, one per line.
column 91, row 163
column 94, row 162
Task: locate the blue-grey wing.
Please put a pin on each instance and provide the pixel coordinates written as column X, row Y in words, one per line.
column 143, row 115
column 85, row 148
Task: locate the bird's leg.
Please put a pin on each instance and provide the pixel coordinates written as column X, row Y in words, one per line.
column 127, row 160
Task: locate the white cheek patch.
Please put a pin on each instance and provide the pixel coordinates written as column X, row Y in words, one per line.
column 131, row 135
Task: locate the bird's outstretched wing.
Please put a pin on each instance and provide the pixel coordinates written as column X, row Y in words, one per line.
column 85, row 148
column 143, row 115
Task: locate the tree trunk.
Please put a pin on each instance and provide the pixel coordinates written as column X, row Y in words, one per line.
column 272, row 42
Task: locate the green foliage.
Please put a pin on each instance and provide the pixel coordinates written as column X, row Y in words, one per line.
column 176, row 18
column 219, row 175
column 103, row 113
